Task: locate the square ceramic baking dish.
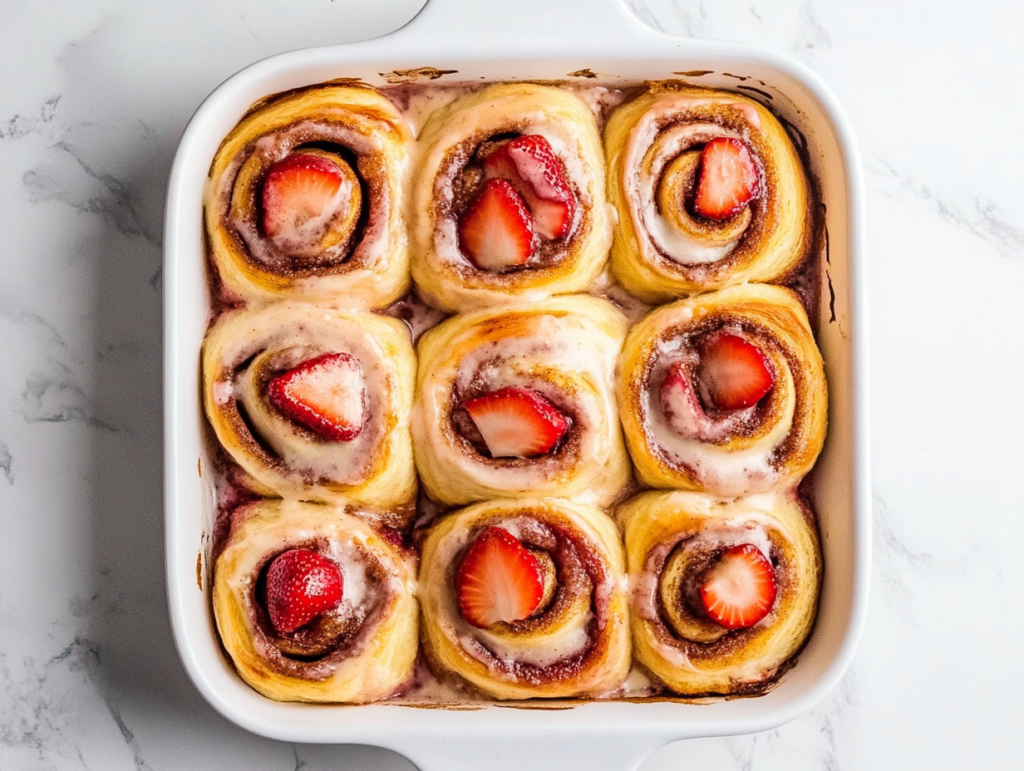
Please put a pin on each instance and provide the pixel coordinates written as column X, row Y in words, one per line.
column 545, row 40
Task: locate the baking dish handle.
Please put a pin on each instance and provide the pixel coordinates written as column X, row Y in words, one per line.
column 543, row 23
column 593, row 751
column 489, row 27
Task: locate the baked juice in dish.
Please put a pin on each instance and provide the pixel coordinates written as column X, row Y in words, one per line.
column 511, row 394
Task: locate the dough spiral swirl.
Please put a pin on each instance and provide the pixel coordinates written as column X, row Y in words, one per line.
column 565, row 349
column 448, row 171
column 361, row 651
column 671, row 539
column 249, row 347
column 662, row 249
column 770, row 444
column 365, row 263
column 576, row 645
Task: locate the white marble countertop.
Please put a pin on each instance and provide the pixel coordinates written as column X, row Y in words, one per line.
column 95, row 95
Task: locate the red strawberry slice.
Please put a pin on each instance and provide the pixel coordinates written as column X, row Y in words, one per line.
column 733, row 374
column 499, row 580
column 739, row 590
column 529, row 163
column 517, row 422
column 679, row 400
column 301, row 585
column 496, row 231
column 324, row 394
column 728, row 179
column 300, row 196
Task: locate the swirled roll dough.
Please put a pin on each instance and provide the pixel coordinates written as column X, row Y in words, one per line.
column 773, row 443
column 444, row 276
column 372, row 142
column 674, row 537
column 247, row 347
column 565, row 349
column 361, row 651
column 661, row 250
column 576, row 645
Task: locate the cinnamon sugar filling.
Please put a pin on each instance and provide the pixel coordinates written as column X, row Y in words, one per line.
column 687, row 611
column 242, row 207
column 709, row 425
column 313, row 651
column 460, row 178
column 704, row 123
column 581, row 590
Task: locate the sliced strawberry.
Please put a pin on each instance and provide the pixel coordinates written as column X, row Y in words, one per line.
column 517, row 422
column 529, row 163
column 301, row 585
column 496, row 231
column 499, row 580
column 733, row 373
column 300, row 196
column 739, row 590
column 324, row 394
column 728, row 179
column 679, row 400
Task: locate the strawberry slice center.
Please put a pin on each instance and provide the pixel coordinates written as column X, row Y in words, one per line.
column 499, row 580
column 302, row 194
column 728, row 179
column 517, row 422
column 496, row 231
column 531, row 166
column 739, row 590
column 301, row 585
column 324, row 395
column 733, row 373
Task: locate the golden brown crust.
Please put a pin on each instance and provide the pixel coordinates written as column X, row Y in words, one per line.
column 660, row 255
column 518, row 328
column 368, row 270
column 361, row 651
column 246, row 346
column 449, row 141
column 683, row 648
column 564, row 348
column 576, row 645
column 769, row 446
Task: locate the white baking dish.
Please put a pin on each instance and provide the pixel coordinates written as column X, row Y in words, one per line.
column 541, row 39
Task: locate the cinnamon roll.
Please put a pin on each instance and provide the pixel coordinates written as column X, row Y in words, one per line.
column 313, row 605
column 724, row 392
column 313, row 403
column 710, row 193
column 520, row 403
column 305, row 200
column 509, row 198
column 526, row 599
column 724, row 593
